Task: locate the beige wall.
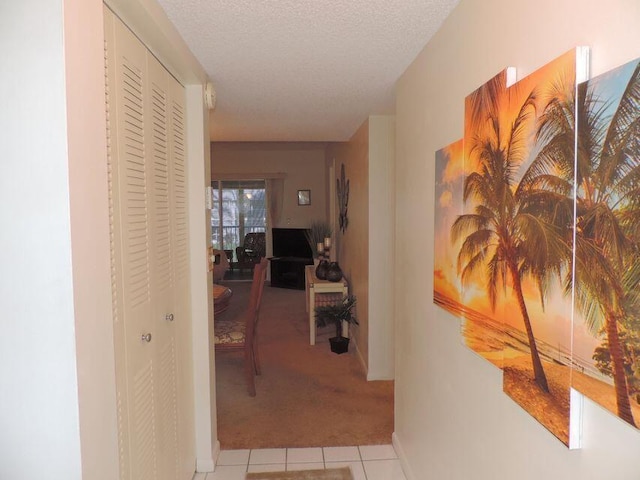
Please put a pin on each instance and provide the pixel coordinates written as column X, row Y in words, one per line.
column 353, row 244
column 204, row 381
column 90, row 237
column 303, row 164
column 452, row 419
column 381, row 206
column 366, row 248
column 57, row 407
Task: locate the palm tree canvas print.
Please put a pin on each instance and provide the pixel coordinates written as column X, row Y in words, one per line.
column 447, row 289
column 607, row 242
column 515, row 258
column 482, row 328
column 537, row 237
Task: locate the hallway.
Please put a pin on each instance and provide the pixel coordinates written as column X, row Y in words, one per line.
column 307, row 396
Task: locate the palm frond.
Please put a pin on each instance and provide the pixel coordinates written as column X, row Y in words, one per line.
column 625, row 117
column 496, row 276
column 518, row 140
column 601, row 224
column 467, row 222
column 477, row 189
column 597, row 284
column 486, row 100
column 630, row 284
column 473, row 264
column 476, row 243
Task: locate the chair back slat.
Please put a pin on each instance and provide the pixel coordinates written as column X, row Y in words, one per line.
column 249, row 320
column 255, row 298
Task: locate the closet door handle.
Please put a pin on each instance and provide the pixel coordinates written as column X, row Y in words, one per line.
column 169, row 317
column 146, row 338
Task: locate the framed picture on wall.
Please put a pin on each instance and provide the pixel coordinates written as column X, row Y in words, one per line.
column 304, row 197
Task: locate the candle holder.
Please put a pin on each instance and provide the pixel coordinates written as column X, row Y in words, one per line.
column 324, row 249
column 324, row 253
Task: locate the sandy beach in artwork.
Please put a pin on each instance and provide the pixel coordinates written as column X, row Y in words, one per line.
column 505, row 351
column 601, row 393
column 552, row 410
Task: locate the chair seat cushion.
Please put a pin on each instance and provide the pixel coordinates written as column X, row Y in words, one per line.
column 229, row 332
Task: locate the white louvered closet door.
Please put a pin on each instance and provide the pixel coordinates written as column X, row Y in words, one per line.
column 115, row 221
column 163, row 271
column 134, row 223
column 182, row 307
column 145, row 106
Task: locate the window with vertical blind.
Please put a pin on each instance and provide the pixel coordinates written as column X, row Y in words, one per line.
column 239, row 207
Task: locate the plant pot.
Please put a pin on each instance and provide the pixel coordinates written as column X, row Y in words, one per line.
column 339, row 344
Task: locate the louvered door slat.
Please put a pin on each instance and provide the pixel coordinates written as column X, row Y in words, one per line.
column 160, row 160
column 177, row 147
column 132, row 257
column 135, row 183
column 162, row 234
column 179, row 185
column 167, row 401
column 144, row 443
column 115, row 248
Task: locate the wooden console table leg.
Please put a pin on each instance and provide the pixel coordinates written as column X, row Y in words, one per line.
column 345, row 325
column 312, row 319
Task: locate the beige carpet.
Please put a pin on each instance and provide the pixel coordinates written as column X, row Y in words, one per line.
column 307, row 396
column 331, row 474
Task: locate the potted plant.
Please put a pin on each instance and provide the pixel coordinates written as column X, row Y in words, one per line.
column 341, row 315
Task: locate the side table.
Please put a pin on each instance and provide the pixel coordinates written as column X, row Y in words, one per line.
column 315, row 286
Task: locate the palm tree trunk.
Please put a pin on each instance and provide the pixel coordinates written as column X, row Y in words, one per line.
column 619, row 377
column 538, row 371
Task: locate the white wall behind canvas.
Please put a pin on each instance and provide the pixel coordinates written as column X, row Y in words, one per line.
column 452, row 419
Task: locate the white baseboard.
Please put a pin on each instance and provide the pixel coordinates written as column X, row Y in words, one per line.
column 204, row 466
column 408, row 473
column 208, row 464
column 370, row 375
column 377, row 375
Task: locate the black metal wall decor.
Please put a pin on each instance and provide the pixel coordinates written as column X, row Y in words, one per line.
column 343, row 199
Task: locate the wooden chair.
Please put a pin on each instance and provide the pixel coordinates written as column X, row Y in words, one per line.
column 220, row 265
column 252, row 250
column 241, row 334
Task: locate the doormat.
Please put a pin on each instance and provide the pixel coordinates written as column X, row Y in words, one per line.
column 330, row 474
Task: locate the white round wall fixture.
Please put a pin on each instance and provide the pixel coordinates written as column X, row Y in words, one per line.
column 210, row 96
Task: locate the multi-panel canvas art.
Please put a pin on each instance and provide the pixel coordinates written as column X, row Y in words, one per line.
column 525, row 299
column 447, row 287
column 606, row 335
column 484, row 306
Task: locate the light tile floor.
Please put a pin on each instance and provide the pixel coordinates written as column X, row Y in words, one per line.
column 367, row 462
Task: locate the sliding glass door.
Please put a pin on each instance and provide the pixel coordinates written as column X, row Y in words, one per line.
column 239, row 207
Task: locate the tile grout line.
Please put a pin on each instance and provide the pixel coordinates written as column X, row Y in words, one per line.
column 362, row 463
column 324, row 461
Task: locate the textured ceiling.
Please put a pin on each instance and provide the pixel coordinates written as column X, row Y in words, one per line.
column 303, row 70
